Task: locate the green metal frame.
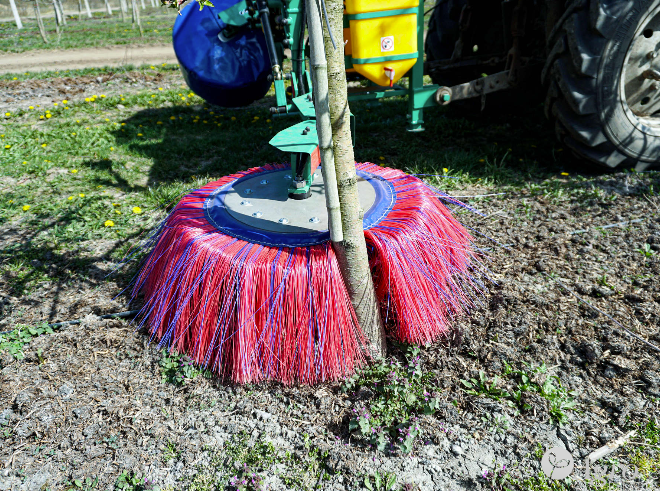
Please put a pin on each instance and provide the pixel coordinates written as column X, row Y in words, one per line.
column 419, row 95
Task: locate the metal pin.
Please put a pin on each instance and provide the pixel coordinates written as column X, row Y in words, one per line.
column 245, row 203
column 263, row 181
column 314, row 220
column 283, row 220
column 257, row 214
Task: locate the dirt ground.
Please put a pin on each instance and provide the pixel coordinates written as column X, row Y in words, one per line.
column 46, row 60
column 88, row 400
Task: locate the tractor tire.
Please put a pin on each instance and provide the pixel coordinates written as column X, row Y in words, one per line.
column 605, row 106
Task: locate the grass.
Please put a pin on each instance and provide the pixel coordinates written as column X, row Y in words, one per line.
column 90, row 72
column 100, row 30
column 244, row 463
column 389, row 420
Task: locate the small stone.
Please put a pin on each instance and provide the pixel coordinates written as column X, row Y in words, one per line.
column 65, row 392
column 457, row 450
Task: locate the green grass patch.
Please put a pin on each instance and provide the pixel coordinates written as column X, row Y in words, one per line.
column 91, row 72
column 99, row 31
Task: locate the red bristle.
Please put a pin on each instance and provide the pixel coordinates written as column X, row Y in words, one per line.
column 253, row 312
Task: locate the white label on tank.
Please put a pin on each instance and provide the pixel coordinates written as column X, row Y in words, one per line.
column 387, row 43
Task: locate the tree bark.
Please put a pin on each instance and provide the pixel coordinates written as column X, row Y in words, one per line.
column 122, row 9
column 89, row 12
column 142, row 3
column 58, row 19
column 17, row 18
column 80, row 10
column 62, row 14
column 353, row 258
column 108, row 7
column 40, row 22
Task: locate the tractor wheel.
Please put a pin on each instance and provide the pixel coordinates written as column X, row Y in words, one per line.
column 603, row 81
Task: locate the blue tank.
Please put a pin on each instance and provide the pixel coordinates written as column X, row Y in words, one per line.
column 230, row 73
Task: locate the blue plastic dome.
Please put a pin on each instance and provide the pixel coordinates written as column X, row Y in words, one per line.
column 229, row 74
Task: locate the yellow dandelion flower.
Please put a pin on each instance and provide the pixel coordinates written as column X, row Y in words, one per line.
column 118, row 212
column 54, row 103
column 109, row 223
column 112, row 149
column 256, row 118
column 70, row 198
column 153, row 95
column 137, row 210
column 7, row 146
column 73, row 134
column 87, row 99
column 160, row 88
column 172, row 118
column 65, row 101
column 123, row 124
column 159, row 122
column 25, row 162
column 74, row 171
column 48, row 116
column 26, row 207
column 445, row 170
column 139, row 134
column 7, row 114
column 482, row 160
column 44, row 145
column 381, row 158
column 268, row 121
column 103, row 95
column 233, row 118
column 31, row 107
column 564, row 173
column 81, row 195
column 41, row 117
column 116, row 204
column 107, row 119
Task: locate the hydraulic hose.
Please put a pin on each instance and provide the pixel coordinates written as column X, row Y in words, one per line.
column 264, row 15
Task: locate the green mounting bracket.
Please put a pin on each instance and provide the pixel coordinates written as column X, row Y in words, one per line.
column 236, row 15
column 305, row 105
column 302, row 142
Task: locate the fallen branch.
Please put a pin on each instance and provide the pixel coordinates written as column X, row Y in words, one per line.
column 639, row 338
column 609, row 447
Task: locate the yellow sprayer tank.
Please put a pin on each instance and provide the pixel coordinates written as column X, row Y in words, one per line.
column 383, row 38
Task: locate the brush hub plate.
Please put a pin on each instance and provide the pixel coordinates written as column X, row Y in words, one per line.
column 256, row 208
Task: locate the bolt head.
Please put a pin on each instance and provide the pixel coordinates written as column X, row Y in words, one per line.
column 445, row 97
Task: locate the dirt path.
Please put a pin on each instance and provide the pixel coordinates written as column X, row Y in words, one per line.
column 86, row 58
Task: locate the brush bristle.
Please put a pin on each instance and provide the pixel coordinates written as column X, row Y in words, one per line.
column 250, row 312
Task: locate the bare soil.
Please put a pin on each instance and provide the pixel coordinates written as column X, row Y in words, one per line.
column 47, row 60
column 88, row 400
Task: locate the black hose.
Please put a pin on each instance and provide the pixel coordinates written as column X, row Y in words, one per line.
column 301, row 50
column 264, row 14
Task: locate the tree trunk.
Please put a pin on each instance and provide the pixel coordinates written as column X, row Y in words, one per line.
column 80, row 10
column 62, row 15
column 122, row 9
column 89, row 12
column 108, row 7
column 142, row 3
column 40, row 22
column 136, row 16
column 353, row 258
column 17, row 18
column 133, row 9
column 58, row 18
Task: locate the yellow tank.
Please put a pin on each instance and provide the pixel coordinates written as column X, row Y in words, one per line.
column 383, row 38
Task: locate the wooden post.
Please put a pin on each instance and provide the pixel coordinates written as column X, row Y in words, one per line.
column 40, row 22
column 352, row 256
column 17, row 18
